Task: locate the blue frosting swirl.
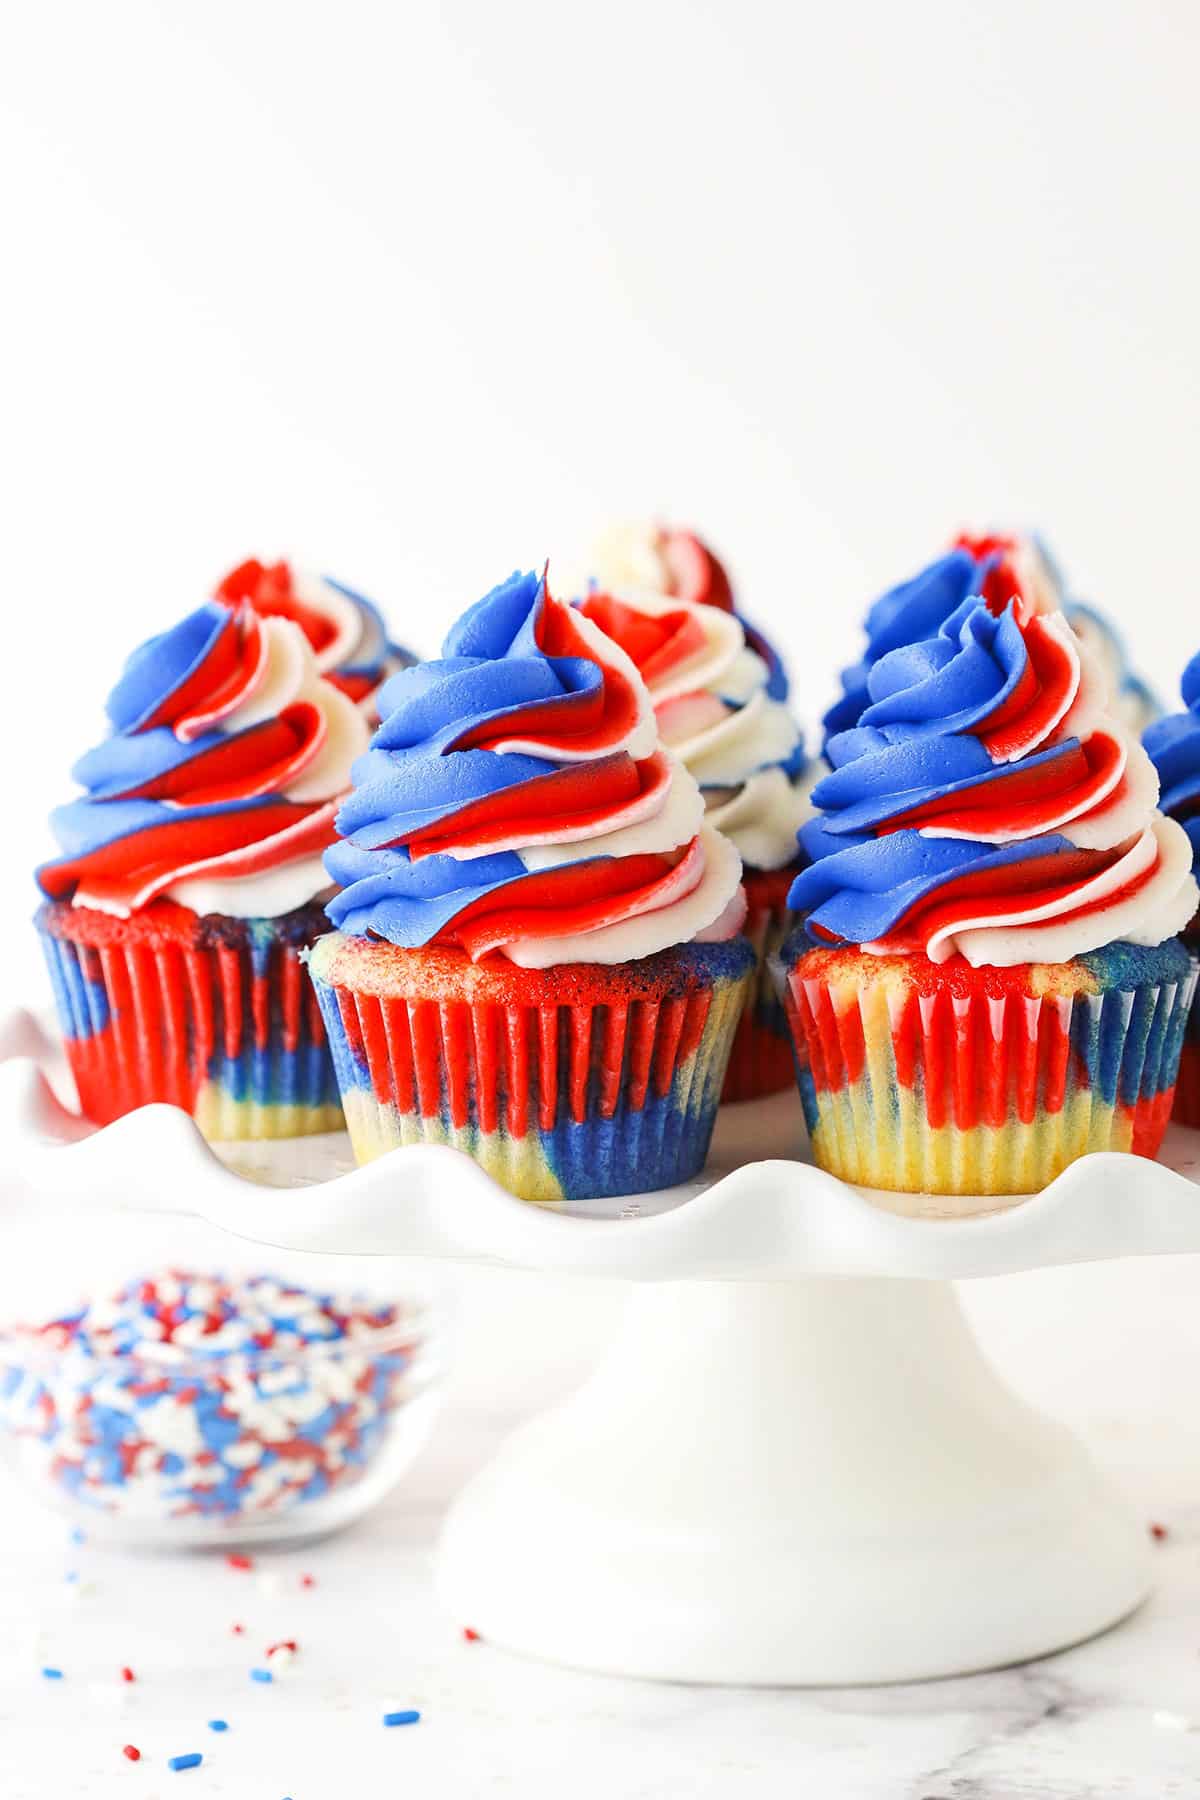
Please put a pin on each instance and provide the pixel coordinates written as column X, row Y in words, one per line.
column 914, row 744
column 1173, row 745
column 911, row 611
column 493, row 681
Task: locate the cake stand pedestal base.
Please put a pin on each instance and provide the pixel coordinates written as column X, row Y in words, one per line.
column 801, row 1482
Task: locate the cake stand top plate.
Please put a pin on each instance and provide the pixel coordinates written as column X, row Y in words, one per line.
column 747, row 1218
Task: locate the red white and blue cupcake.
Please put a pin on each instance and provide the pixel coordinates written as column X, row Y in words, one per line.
column 538, row 957
column 189, row 874
column 720, row 697
column 1174, row 747
column 996, row 985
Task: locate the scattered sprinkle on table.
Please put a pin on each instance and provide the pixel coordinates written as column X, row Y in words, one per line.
column 192, row 1760
column 410, row 1717
column 237, row 1630
column 237, row 1561
column 128, row 1675
column 132, row 1752
column 78, row 1535
column 1158, row 1533
column 308, row 1581
column 53, row 1674
column 472, row 1637
column 261, row 1675
column 218, row 1725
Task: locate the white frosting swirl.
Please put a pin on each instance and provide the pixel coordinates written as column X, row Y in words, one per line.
column 290, row 674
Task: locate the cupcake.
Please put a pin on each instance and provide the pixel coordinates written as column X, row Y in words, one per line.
column 345, row 630
column 714, row 711
column 537, row 957
column 1174, row 747
column 189, row 876
column 988, row 985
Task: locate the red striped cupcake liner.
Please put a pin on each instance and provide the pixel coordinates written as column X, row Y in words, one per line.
column 214, row 1015
column 564, row 1083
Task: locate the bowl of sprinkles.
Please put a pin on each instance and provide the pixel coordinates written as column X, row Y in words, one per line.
column 186, row 1410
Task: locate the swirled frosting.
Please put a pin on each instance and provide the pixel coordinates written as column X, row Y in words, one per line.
column 515, row 799
column 647, row 558
column 1134, row 700
column 711, row 699
column 998, row 568
column 988, row 803
column 1174, row 747
column 218, row 784
column 345, row 630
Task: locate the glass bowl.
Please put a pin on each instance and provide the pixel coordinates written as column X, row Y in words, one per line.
column 186, row 1445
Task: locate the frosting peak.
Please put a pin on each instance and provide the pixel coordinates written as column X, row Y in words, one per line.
column 515, row 799
column 712, row 701
column 988, row 803
column 344, row 629
column 218, row 784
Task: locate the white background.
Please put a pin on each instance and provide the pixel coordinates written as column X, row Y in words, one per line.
column 419, row 293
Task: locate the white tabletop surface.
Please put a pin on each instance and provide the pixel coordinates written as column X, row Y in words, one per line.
column 1114, row 1349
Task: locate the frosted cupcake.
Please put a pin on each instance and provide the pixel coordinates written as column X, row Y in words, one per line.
column 189, row 875
column 345, row 631
column 1174, row 746
column 538, row 957
column 712, row 703
column 997, row 987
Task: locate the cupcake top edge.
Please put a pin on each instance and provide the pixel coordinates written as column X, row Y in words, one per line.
column 516, row 800
column 989, row 803
column 229, row 749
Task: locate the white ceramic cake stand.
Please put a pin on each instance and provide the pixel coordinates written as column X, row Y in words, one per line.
column 792, row 1466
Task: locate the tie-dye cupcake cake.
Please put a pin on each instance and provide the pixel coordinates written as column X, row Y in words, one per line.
column 996, row 986
column 538, row 957
column 190, row 871
column 1174, row 747
column 719, row 692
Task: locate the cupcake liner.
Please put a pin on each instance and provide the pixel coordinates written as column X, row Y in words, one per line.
column 211, row 1014
column 946, row 1080
column 761, row 1059
column 565, row 1083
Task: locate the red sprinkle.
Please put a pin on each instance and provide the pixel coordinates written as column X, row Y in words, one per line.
column 237, row 1561
column 308, row 1581
column 283, row 1644
column 132, row 1752
column 1158, row 1533
column 128, row 1675
column 472, row 1637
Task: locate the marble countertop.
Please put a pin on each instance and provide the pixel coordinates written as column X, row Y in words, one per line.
column 1113, row 1349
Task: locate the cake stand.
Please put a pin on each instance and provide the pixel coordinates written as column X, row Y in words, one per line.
column 792, row 1466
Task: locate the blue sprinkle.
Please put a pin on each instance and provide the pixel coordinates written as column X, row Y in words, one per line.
column 71, row 1575
column 218, row 1725
column 261, row 1675
column 401, row 1718
column 53, row 1674
column 192, row 1760
column 79, row 1535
